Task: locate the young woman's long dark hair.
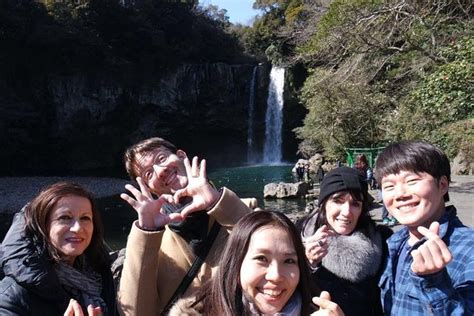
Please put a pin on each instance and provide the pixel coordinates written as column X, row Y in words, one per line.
column 36, row 218
column 223, row 295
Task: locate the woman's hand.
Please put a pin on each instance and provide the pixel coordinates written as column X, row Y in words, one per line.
column 316, row 246
column 198, row 188
column 326, row 306
column 75, row 309
column 148, row 208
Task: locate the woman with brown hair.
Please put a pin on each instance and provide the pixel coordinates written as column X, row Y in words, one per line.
column 54, row 257
column 262, row 271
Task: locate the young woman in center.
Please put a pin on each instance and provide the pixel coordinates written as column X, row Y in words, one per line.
column 343, row 245
column 263, row 271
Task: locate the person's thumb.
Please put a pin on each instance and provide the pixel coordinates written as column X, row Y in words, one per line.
column 323, row 301
column 325, row 295
column 434, row 227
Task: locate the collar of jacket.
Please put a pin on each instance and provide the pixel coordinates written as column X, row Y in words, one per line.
column 354, row 257
column 28, row 263
column 397, row 238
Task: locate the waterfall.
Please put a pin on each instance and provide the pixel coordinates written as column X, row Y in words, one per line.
column 251, row 152
column 273, row 116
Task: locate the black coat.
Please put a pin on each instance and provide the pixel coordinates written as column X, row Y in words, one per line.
column 31, row 285
column 348, row 273
column 354, row 298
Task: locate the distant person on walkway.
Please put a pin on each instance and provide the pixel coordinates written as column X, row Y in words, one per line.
column 300, row 172
column 54, row 258
column 262, row 271
column 362, row 165
column 183, row 221
column 344, row 247
column 430, row 266
column 387, row 219
column 320, row 173
column 307, row 175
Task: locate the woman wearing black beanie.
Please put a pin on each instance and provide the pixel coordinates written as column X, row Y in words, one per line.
column 343, row 246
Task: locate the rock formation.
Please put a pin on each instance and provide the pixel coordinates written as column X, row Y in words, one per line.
column 83, row 122
column 286, row 190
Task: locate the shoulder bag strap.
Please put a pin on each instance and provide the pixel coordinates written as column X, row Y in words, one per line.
column 189, row 277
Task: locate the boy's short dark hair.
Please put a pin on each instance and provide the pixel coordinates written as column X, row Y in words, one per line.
column 415, row 156
column 141, row 148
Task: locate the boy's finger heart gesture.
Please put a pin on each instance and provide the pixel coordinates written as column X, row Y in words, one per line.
column 433, row 255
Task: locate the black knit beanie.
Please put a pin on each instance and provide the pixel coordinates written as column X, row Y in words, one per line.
column 341, row 179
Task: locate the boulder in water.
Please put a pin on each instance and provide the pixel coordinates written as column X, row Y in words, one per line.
column 286, row 190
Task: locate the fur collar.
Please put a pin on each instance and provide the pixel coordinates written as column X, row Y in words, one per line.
column 354, row 257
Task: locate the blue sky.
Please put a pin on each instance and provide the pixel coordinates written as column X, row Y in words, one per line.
column 239, row 11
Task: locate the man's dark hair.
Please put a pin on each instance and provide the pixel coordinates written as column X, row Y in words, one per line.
column 415, row 156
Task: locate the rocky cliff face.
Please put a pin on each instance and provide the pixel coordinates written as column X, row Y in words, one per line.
column 82, row 123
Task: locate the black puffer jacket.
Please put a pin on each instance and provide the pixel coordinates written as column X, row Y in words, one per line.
column 30, row 285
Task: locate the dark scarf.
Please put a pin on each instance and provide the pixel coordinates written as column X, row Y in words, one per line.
column 193, row 229
column 83, row 285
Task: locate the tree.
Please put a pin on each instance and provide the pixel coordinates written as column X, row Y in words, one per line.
column 269, row 5
column 396, row 54
column 216, row 14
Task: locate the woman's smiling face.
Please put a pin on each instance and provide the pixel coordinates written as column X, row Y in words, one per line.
column 269, row 273
column 162, row 170
column 343, row 212
column 70, row 226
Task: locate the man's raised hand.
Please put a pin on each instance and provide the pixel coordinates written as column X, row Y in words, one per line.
column 148, row 208
column 433, row 255
column 198, row 188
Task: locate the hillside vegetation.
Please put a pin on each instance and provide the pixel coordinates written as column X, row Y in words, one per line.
column 379, row 70
column 95, row 35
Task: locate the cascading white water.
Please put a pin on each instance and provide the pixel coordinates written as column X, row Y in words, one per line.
column 251, row 152
column 273, row 117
